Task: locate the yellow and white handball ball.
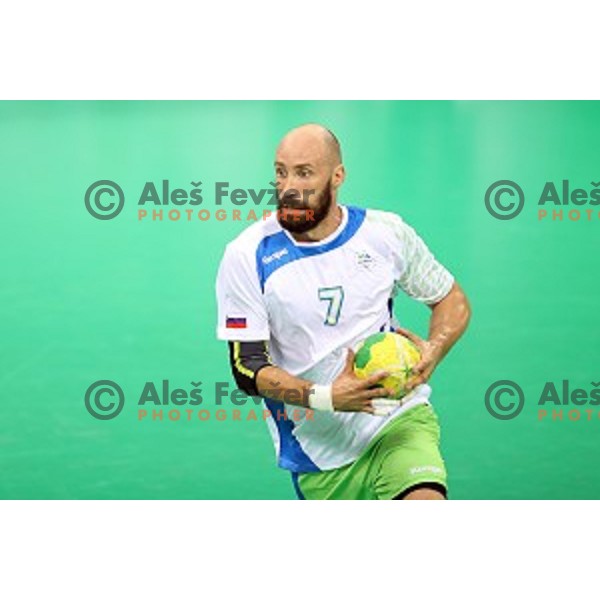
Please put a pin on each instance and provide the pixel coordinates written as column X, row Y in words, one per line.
column 390, row 352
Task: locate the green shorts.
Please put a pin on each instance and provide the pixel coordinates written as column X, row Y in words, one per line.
column 404, row 454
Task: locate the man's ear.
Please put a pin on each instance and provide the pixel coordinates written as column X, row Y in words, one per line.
column 339, row 174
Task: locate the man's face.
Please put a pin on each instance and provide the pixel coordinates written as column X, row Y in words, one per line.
column 304, row 190
column 298, row 215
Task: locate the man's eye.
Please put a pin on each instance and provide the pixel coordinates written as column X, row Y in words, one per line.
column 305, row 173
column 279, row 172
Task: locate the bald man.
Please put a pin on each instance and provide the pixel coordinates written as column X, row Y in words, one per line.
column 297, row 292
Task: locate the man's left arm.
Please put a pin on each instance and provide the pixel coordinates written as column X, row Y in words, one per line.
column 426, row 280
column 449, row 319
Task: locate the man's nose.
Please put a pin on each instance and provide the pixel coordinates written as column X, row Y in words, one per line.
column 288, row 187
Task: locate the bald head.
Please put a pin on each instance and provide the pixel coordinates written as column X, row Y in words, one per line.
column 308, row 173
column 312, row 141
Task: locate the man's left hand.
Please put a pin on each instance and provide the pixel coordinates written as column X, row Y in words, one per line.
column 430, row 357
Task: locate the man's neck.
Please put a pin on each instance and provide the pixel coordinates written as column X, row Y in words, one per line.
column 325, row 228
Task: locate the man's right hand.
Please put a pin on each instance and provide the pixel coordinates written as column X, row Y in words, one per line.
column 351, row 394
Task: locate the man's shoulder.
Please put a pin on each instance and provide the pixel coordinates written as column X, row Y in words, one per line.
column 388, row 224
column 385, row 218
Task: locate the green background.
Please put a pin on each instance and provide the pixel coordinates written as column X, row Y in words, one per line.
column 84, row 299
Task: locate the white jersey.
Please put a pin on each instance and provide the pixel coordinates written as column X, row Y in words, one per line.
column 313, row 300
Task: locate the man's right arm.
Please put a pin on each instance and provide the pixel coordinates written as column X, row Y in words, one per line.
column 255, row 374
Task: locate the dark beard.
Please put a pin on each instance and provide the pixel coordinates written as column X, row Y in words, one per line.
column 305, row 222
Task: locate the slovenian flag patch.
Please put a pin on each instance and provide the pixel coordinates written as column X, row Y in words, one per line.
column 235, row 323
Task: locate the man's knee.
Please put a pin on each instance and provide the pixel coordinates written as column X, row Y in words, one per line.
column 424, row 494
column 424, row 491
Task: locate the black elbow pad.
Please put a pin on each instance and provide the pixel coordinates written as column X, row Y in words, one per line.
column 247, row 359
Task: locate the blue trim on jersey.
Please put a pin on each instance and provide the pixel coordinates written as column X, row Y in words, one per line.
column 297, row 486
column 277, row 250
column 291, row 454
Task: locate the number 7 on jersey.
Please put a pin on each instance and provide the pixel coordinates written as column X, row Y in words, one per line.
column 335, row 297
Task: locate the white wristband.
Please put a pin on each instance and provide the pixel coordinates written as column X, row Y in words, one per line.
column 320, row 398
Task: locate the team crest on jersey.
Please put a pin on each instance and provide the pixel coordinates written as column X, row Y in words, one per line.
column 365, row 260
